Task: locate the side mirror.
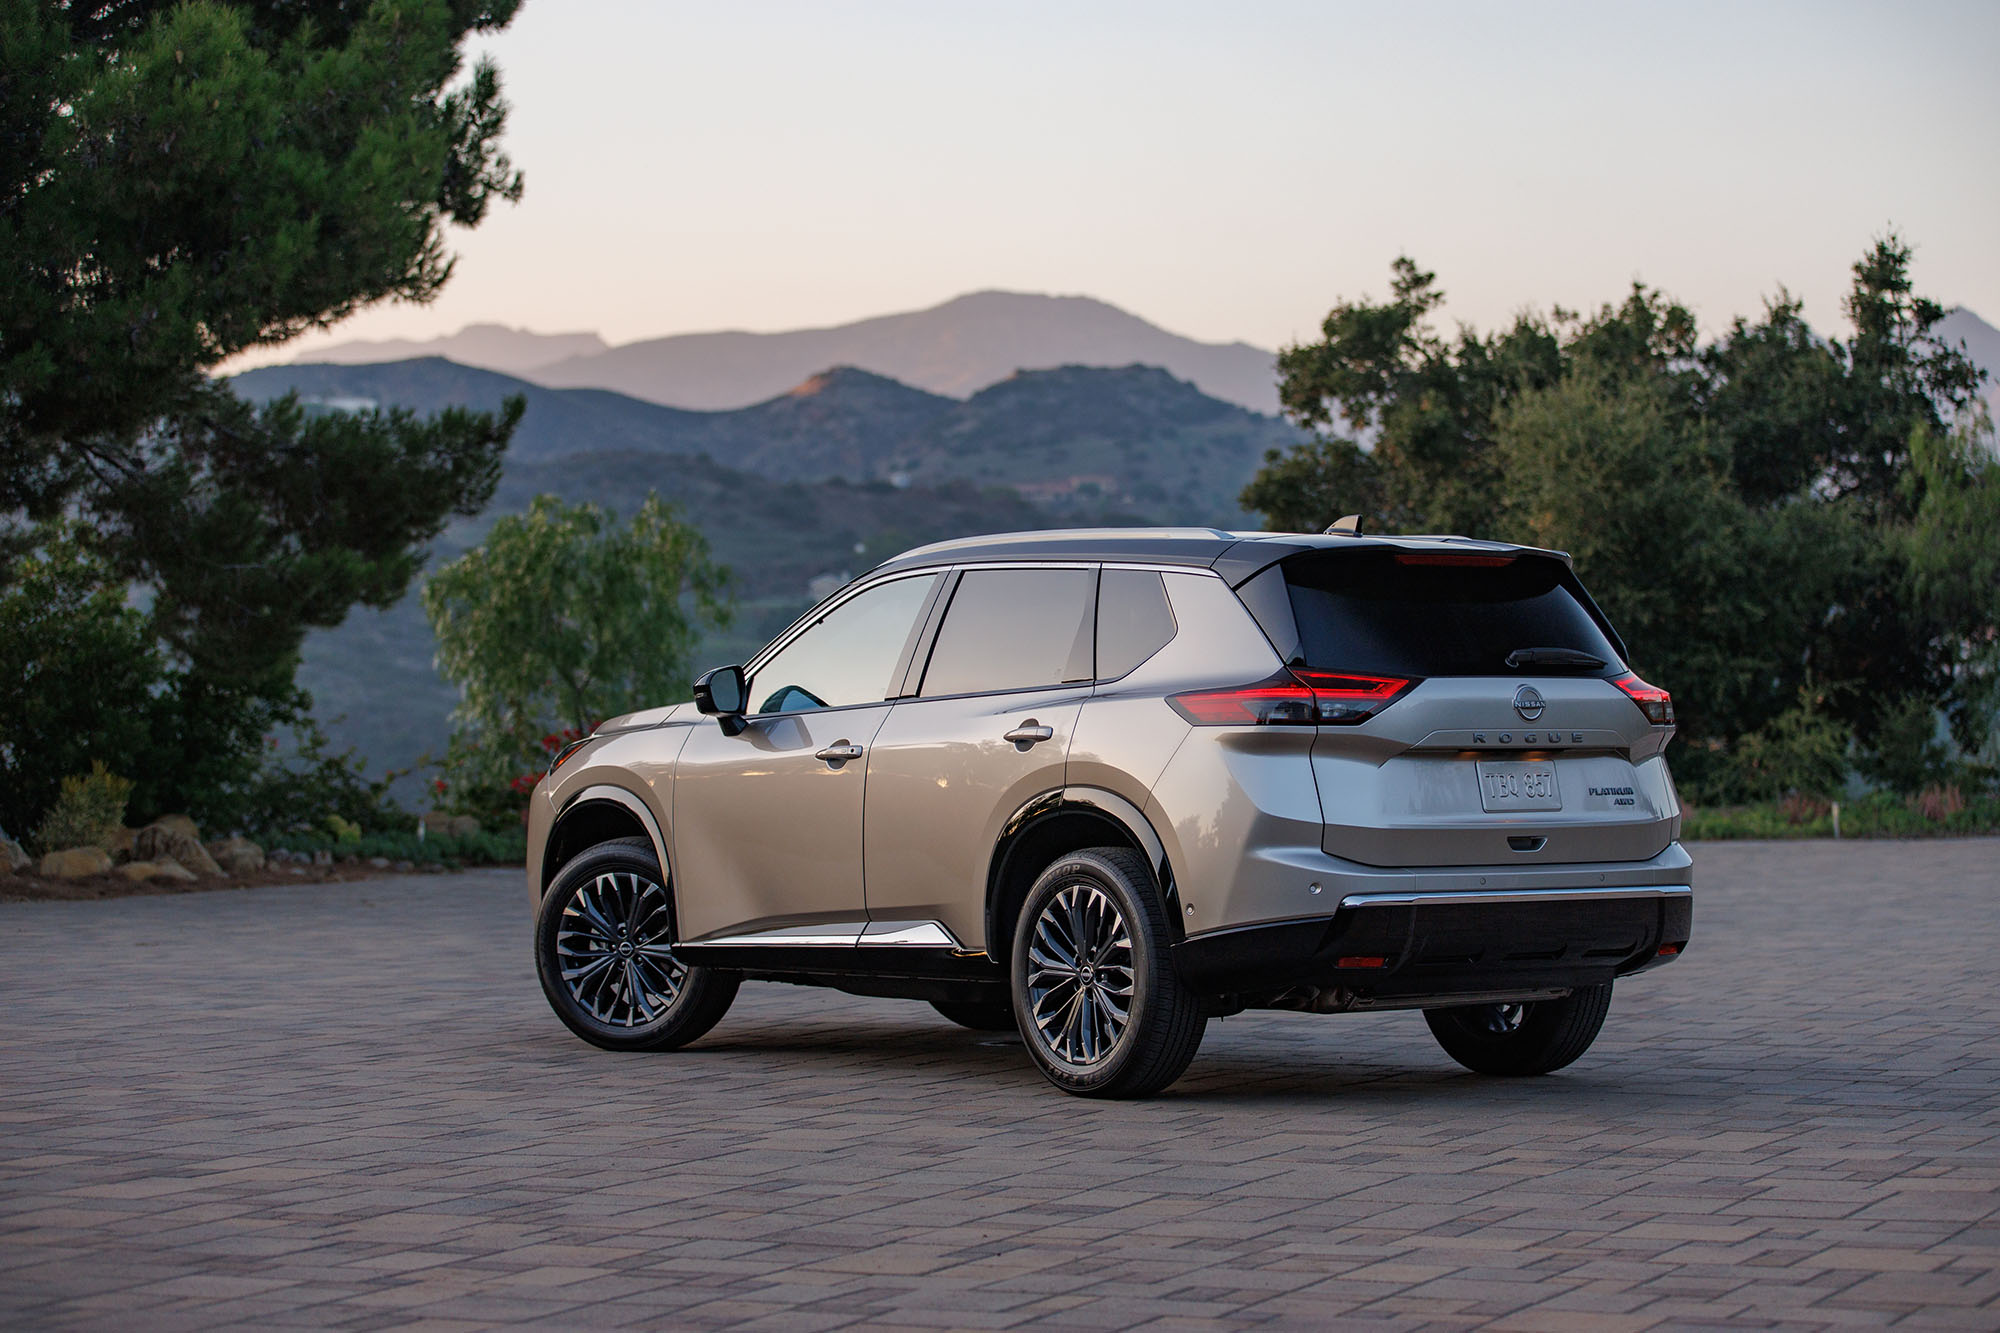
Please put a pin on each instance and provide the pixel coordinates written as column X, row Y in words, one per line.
column 720, row 694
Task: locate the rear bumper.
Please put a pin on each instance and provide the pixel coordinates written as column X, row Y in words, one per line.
column 1393, row 948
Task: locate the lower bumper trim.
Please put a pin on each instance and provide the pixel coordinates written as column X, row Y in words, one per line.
column 1446, row 944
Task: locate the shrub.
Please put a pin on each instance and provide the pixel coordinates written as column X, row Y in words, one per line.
column 1908, row 753
column 1802, row 751
column 90, row 809
column 291, row 789
column 1939, row 803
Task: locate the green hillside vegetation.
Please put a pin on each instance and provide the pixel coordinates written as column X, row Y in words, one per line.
column 372, row 679
column 794, row 495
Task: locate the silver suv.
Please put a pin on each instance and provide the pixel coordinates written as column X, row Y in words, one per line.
column 1103, row 786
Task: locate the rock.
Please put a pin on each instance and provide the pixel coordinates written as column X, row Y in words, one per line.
column 168, row 868
column 437, row 822
column 76, row 862
column 238, row 856
column 122, row 839
column 180, row 824
column 325, row 858
column 379, row 862
column 159, row 841
column 463, row 826
column 137, row 870
column 12, row 859
column 404, row 867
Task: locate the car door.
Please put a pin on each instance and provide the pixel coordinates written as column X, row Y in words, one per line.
column 767, row 822
column 987, row 729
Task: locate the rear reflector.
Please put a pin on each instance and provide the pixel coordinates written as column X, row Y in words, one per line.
column 1297, row 698
column 1362, row 961
column 1668, row 950
column 1654, row 702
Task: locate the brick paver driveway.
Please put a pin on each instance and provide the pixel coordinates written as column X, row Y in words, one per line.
column 347, row 1106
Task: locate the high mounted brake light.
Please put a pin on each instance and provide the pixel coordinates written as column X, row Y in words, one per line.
column 1456, row 559
column 1654, row 702
column 1294, row 698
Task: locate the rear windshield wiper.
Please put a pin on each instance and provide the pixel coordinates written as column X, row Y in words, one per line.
column 1567, row 657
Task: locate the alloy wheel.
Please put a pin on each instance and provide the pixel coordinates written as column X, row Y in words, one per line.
column 1501, row 1019
column 1080, row 974
column 613, row 949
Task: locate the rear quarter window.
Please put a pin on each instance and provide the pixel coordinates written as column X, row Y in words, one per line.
column 1134, row 620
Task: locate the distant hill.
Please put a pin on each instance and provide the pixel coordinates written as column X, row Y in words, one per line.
column 1982, row 344
column 1131, row 436
column 796, row 493
column 956, row 349
column 372, row 679
column 488, row 346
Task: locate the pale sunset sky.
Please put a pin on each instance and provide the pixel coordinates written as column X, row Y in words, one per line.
column 1225, row 170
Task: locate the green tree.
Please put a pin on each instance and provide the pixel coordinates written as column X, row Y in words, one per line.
column 1768, row 516
column 563, row 618
column 180, row 182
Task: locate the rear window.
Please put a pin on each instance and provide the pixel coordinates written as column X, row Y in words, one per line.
column 1374, row 613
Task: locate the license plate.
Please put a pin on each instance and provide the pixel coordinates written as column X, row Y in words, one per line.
column 1504, row 788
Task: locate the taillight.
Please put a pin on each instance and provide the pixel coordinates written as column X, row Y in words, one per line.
column 1654, row 702
column 1298, row 699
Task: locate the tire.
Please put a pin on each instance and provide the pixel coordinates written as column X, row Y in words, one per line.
column 607, row 922
column 1512, row 1040
column 1106, row 896
column 980, row 1016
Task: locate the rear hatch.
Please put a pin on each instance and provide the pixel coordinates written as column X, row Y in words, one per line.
column 1473, row 706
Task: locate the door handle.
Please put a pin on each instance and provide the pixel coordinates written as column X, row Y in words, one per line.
column 840, row 753
column 1029, row 733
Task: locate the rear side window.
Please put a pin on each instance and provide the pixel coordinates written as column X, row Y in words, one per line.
column 1014, row 629
column 1387, row 613
column 1133, row 620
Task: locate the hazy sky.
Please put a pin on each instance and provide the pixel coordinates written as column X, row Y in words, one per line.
column 1225, row 170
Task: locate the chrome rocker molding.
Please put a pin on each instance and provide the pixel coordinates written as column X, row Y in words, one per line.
column 841, row 935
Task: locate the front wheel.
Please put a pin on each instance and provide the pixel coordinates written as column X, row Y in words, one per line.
column 604, row 953
column 1101, row 1009
column 1538, row 1037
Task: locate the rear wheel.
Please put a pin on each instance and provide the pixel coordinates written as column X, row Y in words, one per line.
column 996, row 1016
column 1101, row 1009
column 604, row 953
column 1514, row 1039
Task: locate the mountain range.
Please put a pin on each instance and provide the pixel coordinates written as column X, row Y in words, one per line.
column 795, row 494
column 955, row 349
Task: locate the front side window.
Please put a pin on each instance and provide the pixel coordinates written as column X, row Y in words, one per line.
column 1014, row 629
column 848, row 656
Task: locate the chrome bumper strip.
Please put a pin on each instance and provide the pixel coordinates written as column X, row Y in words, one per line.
column 1513, row 896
